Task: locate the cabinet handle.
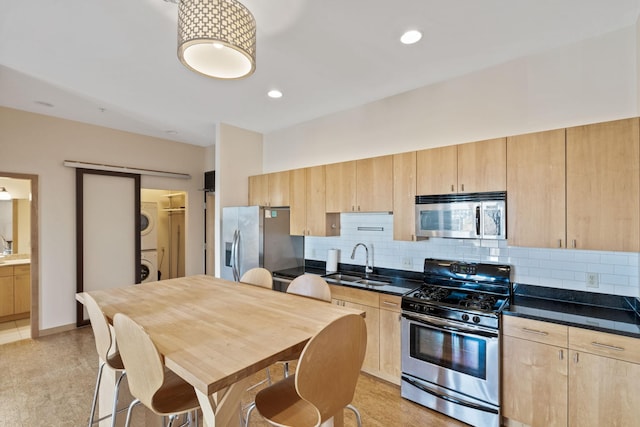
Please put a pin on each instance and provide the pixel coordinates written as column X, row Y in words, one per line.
column 353, row 208
column 358, row 208
column 534, row 331
column 393, row 304
column 559, row 243
column 575, row 358
column 462, row 187
column 561, row 354
column 607, row 346
column 574, row 243
column 452, row 188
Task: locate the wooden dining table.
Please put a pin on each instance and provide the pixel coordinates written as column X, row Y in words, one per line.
column 215, row 333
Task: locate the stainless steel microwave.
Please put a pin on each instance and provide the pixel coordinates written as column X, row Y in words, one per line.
column 462, row 216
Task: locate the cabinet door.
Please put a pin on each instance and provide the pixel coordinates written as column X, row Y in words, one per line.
column 534, row 383
column 278, row 184
column 6, row 295
column 298, row 201
column 437, row 170
column 390, row 345
column 341, row 187
column 536, row 190
column 374, row 181
column 602, row 391
column 404, row 196
column 259, row 190
column 315, row 196
column 371, row 362
column 22, row 290
column 482, row 166
column 603, row 194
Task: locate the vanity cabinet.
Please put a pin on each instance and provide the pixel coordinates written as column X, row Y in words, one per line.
column 404, row 196
column 270, row 189
column 554, row 375
column 364, row 185
column 465, row 168
column 15, row 291
column 307, row 201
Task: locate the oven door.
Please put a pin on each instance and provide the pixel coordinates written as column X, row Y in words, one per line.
column 452, row 355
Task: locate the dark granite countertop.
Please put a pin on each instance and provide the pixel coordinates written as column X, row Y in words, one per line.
column 400, row 281
column 599, row 312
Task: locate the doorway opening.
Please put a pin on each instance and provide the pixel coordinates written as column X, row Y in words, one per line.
column 19, row 258
column 163, row 239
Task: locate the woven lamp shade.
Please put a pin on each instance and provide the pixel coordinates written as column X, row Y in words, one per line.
column 217, row 38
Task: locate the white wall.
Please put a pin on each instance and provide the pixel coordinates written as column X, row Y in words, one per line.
column 238, row 155
column 37, row 144
column 591, row 81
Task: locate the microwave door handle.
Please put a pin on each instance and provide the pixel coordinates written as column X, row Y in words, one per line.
column 478, row 210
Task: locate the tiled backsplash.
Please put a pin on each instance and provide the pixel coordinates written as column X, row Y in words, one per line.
column 616, row 272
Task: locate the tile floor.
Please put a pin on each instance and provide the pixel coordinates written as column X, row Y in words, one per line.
column 15, row 330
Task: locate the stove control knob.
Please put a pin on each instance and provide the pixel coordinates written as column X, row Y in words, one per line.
column 476, row 319
column 465, row 317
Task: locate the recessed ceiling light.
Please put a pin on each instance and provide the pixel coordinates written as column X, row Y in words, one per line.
column 274, row 93
column 44, row 103
column 171, row 132
column 411, row 37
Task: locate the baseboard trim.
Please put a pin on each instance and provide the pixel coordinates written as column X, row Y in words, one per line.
column 57, row 330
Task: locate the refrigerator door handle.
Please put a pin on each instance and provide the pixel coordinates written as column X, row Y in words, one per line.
column 234, row 257
column 237, row 257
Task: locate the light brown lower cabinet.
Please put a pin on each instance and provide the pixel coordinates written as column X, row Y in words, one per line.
column 382, row 358
column 15, row 292
column 554, row 375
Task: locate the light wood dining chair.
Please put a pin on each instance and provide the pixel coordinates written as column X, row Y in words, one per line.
column 258, row 276
column 107, row 353
column 325, row 379
column 157, row 388
column 307, row 285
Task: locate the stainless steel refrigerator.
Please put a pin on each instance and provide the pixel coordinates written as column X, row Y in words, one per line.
column 257, row 236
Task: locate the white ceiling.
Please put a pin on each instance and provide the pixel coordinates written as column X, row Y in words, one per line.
column 113, row 62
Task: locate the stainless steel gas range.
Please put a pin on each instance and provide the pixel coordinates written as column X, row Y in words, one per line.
column 451, row 339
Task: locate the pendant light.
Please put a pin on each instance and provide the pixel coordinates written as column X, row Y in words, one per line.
column 4, row 194
column 217, row 38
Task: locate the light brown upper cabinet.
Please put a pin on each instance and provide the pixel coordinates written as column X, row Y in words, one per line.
column 270, row 189
column 307, row 200
column 360, row 186
column 404, row 196
column 603, row 186
column 536, row 189
column 465, row 168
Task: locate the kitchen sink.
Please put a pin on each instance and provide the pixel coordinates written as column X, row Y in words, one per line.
column 348, row 278
column 343, row 277
column 370, row 282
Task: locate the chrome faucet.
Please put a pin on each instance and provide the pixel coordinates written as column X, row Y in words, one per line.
column 367, row 269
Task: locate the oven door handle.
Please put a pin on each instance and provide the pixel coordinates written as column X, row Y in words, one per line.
column 449, row 398
column 445, row 326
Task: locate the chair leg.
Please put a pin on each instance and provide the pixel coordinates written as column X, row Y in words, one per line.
column 128, row 421
column 115, row 399
column 268, row 376
column 95, row 393
column 285, row 368
column 357, row 413
column 250, row 408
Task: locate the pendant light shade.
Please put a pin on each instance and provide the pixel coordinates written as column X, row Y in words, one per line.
column 217, row 38
column 4, row 194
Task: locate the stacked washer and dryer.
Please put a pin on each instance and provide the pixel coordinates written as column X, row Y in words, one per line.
column 148, row 242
